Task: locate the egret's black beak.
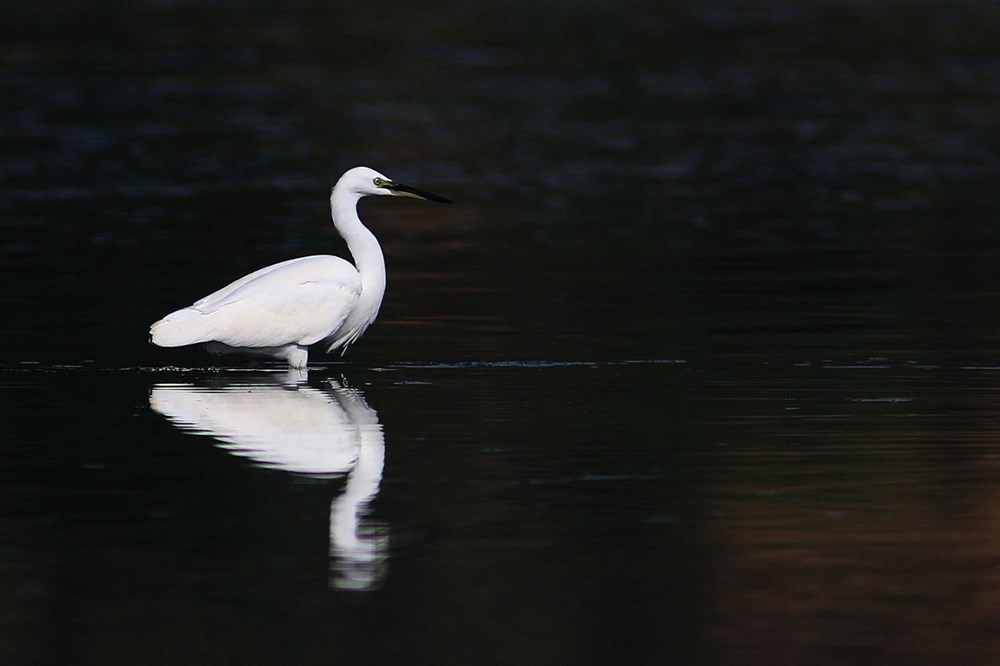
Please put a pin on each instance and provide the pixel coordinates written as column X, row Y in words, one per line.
column 406, row 190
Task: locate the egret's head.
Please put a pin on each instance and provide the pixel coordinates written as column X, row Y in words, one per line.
column 364, row 182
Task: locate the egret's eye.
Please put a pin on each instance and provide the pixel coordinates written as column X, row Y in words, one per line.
column 378, row 181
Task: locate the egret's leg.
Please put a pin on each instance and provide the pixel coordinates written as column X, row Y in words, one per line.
column 297, row 356
column 295, row 376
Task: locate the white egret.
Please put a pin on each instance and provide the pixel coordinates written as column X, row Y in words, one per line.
column 281, row 310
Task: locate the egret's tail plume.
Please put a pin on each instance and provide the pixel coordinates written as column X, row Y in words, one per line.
column 184, row 327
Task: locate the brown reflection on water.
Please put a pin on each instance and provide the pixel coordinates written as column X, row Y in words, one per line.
column 817, row 582
column 860, row 537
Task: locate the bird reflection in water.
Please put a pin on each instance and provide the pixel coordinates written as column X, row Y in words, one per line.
column 281, row 422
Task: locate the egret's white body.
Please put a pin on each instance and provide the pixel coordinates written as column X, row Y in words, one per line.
column 281, row 310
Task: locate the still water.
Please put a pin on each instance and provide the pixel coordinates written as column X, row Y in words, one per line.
column 702, row 367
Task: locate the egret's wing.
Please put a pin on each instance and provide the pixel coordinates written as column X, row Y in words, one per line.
column 295, row 302
column 303, row 268
column 302, row 314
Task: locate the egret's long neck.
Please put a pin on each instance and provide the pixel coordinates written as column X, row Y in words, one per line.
column 361, row 242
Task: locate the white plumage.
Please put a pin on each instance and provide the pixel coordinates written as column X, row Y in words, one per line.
column 281, row 310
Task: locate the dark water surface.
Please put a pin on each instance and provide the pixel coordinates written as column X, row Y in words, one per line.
column 702, row 367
